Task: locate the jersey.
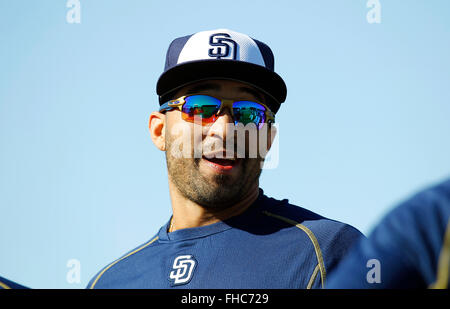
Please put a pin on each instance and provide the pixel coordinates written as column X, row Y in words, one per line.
column 272, row 244
column 8, row 284
column 409, row 248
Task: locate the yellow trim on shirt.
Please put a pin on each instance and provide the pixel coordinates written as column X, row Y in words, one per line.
column 4, row 286
column 444, row 263
column 313, row 277
column 313, row 239
column 122, row 258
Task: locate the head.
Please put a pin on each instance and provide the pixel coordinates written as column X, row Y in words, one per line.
column 228, row 66
column 203, row 161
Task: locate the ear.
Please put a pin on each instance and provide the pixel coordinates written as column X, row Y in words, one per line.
column 156, row 124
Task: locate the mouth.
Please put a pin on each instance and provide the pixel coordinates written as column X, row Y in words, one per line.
column 222, row 165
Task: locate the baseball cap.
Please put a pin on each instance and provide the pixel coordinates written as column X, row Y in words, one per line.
column 221, row 54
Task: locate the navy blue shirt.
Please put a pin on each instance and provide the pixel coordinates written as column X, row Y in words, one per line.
column 8, row 284
column 273, row 244
column 410, row 247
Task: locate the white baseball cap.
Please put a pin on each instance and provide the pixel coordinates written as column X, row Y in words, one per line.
column 221, row 54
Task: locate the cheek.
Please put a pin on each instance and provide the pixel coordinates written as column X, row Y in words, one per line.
column 180, row 139
column 256, row 144
column 265, row 138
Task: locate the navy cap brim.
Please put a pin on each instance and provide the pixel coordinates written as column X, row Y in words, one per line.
column 258, row 76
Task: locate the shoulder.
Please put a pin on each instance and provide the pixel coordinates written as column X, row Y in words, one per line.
column 429, row 205
column 114, row 273
column 330, row 239
column 8, row 284
column 416, row 225
column 419, row 219
column 318, row 226
column 407, row 241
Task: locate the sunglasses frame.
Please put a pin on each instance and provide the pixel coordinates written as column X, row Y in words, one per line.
column 178, row 104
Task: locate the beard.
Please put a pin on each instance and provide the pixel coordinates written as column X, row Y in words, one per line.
column 216, row 192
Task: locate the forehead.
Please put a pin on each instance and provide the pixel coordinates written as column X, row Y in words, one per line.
column 222, row 87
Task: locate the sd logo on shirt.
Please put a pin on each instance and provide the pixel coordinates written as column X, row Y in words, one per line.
column 182, row 269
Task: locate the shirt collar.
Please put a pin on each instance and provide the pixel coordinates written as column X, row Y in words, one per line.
column 203, row 231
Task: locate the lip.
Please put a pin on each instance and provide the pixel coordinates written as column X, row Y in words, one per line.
column 219, row 155
column 225, row 167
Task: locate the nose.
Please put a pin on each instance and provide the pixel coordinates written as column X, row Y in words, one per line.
column 222, row 125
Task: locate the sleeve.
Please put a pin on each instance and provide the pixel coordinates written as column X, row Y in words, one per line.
column 335, row 240
column 8, row 284
column 371, row 265
column 402, row 250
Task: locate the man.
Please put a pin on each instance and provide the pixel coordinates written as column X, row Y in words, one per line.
column 224, row 232
column 409, row 248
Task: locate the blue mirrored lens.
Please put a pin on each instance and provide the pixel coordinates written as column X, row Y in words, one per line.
column 249, row 112
column 201, row 105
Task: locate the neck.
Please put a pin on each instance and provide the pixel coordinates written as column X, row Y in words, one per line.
column 188, row 214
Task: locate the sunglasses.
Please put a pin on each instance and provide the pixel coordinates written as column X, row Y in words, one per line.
column 208, row 108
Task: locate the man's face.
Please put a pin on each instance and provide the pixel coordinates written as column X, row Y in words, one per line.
column 200, row 176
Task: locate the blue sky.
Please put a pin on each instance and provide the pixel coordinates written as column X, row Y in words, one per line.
column 364, row 126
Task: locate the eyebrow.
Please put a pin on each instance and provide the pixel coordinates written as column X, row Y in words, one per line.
column 212, row 86
column 253, row 92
